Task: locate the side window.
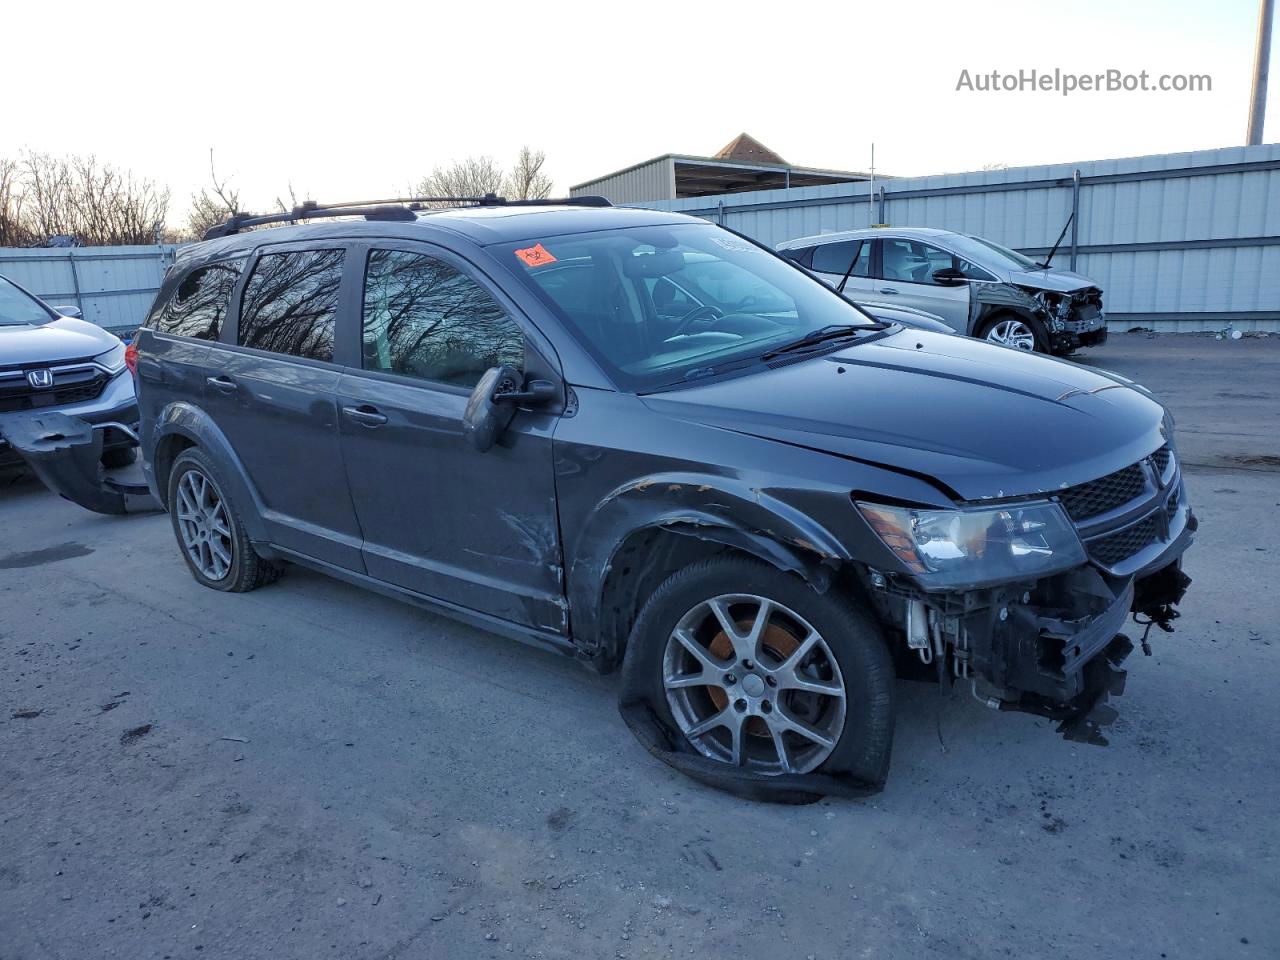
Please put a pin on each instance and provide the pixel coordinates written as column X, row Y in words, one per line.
column 801, row 255
column 972, row 270
column 291, row 302
column 910, row 261
column 423, row 318
column 833, row 258
column 199, row 303
column 669, row 300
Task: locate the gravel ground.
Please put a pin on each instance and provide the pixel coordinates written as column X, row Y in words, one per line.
column 312, row 771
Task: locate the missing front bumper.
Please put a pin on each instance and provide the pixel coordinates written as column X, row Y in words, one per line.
column 65, row 452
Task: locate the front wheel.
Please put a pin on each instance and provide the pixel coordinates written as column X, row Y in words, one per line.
column 1020, row 333
column 758, row 671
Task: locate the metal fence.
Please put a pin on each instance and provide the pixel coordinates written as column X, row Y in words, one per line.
column 1178, row 242
column 112, row 286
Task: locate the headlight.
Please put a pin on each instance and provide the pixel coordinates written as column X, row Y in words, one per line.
column 961, row 549
column 113, row 359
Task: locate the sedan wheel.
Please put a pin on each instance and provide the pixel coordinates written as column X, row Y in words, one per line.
column 1012, row 333
column 204, row 525
column 750, row 683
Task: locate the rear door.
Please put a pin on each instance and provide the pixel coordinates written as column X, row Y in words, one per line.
column 173, row 344
column 271, row 389
column 906, row 270
column 439, row 517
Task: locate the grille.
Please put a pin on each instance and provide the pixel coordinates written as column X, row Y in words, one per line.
column 1171, row 507
column 19, row 396
column 1098, row 496
column 1121, row 546
column 1161, row 460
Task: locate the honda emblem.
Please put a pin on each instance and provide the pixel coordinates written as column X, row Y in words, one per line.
column 40, row 379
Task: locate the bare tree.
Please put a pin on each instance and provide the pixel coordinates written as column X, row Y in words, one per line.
column 211, row 205
column 472, row 177
column 526, row 181
column 43, row 196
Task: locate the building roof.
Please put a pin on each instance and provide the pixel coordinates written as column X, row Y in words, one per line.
column 744, row 148
column 743, row 164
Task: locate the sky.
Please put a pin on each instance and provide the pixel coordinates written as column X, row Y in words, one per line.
column 356, row 101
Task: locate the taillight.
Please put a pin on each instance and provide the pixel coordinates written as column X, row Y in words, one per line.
column 131, row 356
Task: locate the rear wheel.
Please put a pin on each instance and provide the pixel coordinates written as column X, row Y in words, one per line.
column 210, row 533
column 1020, row 333
column 757, row 670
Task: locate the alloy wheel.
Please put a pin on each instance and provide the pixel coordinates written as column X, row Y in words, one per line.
column 751, row 683
column 1012, row 333
column 205, row 525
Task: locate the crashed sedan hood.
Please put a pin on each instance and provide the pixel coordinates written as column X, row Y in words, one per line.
column 1062, row 281
column 53, row 342
column 983, row 421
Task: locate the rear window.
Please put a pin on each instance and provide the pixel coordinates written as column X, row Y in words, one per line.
column 291, row 303
column 198, row 305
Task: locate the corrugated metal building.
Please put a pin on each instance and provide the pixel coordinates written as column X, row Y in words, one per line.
column 742, row 164
column 1184, row 241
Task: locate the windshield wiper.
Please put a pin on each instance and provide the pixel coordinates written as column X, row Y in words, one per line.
column 835, row 331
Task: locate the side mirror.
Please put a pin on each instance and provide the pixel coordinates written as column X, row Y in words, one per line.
column 486, row 417
column 73, row 312
column 948, row 277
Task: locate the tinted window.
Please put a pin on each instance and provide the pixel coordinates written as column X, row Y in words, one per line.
column 290, row 303
column 199, row 303
column 834, row 258
column 911, row 261
column 423, row 318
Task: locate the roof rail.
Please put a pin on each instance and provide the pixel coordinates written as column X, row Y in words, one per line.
column 398, row 208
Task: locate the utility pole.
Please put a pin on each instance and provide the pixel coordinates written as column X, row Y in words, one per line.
column 1261, row 59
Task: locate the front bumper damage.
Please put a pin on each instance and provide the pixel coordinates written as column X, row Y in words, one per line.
column 65, row 452
column 1053, row 647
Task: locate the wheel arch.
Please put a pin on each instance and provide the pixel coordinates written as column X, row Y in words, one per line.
column 645, row 531
column 183, row 425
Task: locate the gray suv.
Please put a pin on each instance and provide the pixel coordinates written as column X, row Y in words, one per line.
column 977, row 286
column 761, row 505
column 53, row 361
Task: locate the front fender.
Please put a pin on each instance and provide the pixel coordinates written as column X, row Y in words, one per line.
column 182, row 424
column 716, row 508
column 988, row 299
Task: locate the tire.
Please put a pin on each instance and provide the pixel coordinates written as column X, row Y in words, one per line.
column 119, row 457
column 993, row 331
column 849, row 654
column 227, row 560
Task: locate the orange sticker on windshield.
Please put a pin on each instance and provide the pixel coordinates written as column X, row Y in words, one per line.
column 536, row 256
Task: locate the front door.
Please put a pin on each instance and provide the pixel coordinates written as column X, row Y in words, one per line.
column 271, row 391
column 906, row 279
column 439, row 517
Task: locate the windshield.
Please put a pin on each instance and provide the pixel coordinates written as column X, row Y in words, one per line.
column 981, row 249
column 659, row 305
column 17, row 308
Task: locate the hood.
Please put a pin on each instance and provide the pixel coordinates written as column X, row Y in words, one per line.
column 983, row 420
column 54, row 342
column 1062, row 281
column 908, row 316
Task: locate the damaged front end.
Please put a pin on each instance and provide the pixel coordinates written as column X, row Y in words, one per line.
column 1073, row 318
column 65, row 453
column 1048, row 642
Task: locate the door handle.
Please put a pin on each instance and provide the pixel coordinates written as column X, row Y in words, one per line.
column 221, row 383
column 888, row 290
column 366, row 414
